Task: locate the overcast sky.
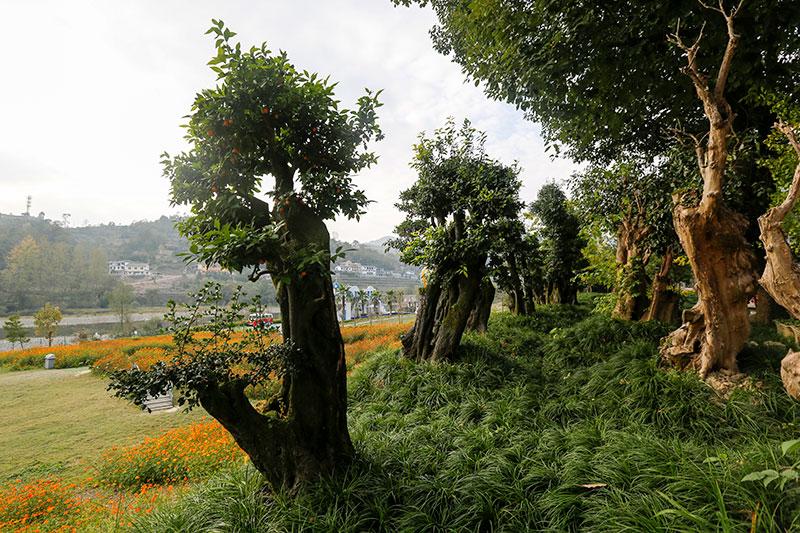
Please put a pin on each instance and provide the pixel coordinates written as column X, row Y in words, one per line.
column 94, row 92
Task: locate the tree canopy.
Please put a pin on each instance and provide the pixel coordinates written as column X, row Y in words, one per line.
column 604, row 80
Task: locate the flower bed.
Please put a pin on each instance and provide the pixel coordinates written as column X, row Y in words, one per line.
column 177, row 456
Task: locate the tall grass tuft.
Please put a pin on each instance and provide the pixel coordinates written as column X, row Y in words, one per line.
column 556, row 422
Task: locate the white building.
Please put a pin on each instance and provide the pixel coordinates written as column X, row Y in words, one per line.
column 369, row 270
column 128, row 268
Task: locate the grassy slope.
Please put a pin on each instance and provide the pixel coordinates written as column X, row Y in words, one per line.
column 59, row 421
column 542, row 425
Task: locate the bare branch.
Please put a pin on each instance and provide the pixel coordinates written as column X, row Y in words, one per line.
column 727, row 57
column 777, row 214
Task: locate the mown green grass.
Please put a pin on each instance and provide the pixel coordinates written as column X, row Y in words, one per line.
column 60, row 421
column 556, row 422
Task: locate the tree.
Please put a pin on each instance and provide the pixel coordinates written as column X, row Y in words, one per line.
column 632, row 202
column 454, row 213
column 712, row 235
column 606, row 83
column 377, row 297
column 14, row 331
column 391, row 300
column 121, row 302
column 46, row 321
column 343, row 292
column 560, row 243
column 362, row 298
column 270, row 130
column 781, row 276
column 515, row 265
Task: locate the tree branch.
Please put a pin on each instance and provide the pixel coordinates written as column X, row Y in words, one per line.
column 777, row 214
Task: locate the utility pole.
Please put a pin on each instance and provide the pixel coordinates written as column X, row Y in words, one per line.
column 28, row 206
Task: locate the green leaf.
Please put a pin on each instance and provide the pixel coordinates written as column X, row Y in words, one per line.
column 790, row 446
column 754, row 476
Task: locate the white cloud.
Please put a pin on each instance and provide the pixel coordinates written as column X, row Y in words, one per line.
column 95, row 91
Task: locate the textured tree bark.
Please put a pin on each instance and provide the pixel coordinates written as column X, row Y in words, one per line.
column 304, row 434
column 519, row 303
column 442, row 316
column 781, row 277
column 529, row 293
column 715, row 330
column 479, row 317
column 664, row 301
column 631, row 283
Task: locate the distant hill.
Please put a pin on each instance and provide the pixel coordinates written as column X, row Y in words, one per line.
column 14, row 228
column 158, row 243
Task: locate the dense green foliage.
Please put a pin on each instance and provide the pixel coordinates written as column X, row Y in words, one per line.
column 606, row 81
column 267, row 118
column 558, row 230
column 549, row 422
column 40, row 271
column 459, row 206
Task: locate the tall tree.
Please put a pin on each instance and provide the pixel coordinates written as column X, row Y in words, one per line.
column 269, row 130
column 606, row 82
column 454, row 213
column 344, row 296
column 515, row 266
column 712, row 235
column 391, row 300
column 632, row 202
column 561, row 244
column 46, row 321
column 121, row 302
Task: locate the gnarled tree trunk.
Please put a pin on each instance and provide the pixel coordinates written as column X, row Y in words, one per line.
column 664, row 301
column 715, row 330
column 443, row 314
column 305, row 433
column 781, row 278
column 631, row 283
column 517, row 293
column 479, row 317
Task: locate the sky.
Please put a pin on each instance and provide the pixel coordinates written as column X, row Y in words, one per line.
column 94, row 92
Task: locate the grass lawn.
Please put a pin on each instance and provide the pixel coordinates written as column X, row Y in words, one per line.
column 60, row 422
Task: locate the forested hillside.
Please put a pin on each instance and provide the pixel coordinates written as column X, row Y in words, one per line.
column 42, row 261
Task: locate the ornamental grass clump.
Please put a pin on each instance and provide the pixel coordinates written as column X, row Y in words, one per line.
column 489, row 443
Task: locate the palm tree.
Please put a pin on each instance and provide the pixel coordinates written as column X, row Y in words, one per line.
column 376, row 302
column 391, row 297
column 343, row 291
column 362, row 298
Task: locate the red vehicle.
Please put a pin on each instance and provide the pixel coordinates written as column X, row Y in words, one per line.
column 260, row 320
